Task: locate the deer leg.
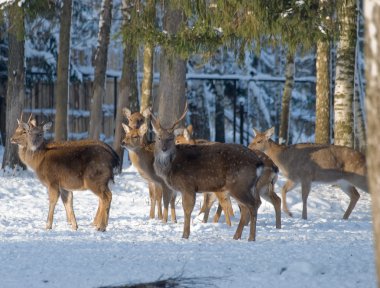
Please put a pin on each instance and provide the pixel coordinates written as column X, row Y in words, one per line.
column 158, row 199
column 354, row 197
column 243, row 220
column 305, row 194
column 225, row 204
column 166, row 195
column 207, row 203
column 270, row 196
column 152, row 197
column 188, row 202
column 218, row 213
column 53, row 198
column 67, row 199
column 172, row 206
column 105, row 198
column 289, row 185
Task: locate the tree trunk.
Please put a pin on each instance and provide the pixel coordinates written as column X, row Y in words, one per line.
column 372, row 57
column 345, row 69
column 128, row 95
column 99, row 91
column 360, row 132
column 322, row 107
column 219, row 111
column 147, row 82
column 171, row 90
column 285, row 107
column 62, row 86
column 16, row 82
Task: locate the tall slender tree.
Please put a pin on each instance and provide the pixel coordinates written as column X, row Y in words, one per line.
column 286, row 97
column 322, row 111
column 99, row 89
column 345, row 71
column 128, row 95
column 16, row 80
column 372, row 53
column 62, row 86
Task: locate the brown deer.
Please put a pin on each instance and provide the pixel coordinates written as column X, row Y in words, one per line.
column 191, row 169
column 308, row 163
column 19, row 137
column 68, row 166
column 135, row 120
column 141, row 154
column 185, row 136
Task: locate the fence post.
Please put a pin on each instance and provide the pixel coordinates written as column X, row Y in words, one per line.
column 241, row 111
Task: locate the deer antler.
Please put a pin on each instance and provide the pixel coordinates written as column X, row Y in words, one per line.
column 180, row 118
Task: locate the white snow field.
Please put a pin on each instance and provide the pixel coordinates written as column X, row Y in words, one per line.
column 323, row 251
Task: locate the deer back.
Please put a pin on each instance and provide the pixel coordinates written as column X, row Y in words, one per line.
column 316, row 162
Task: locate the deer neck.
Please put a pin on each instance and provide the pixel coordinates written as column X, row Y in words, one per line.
column 34, row 158
column 163, row 162
column 274, row 150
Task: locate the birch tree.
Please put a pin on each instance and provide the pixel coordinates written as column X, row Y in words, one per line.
column 62, row 86
column 345, row 71
column 372, row 53
column 99, row 89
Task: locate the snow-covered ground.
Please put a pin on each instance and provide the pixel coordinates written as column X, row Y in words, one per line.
column 324, row 251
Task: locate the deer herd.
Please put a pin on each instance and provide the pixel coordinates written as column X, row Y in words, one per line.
column 176, row 162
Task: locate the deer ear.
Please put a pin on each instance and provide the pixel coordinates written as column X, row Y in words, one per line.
column 47, row 126
column 146, row 112
column 255, row 132
column 186, row 134
column 143, row 129
column 178, row 132
column 127, row 113
column 190, row 129
column 269, row 132
column 155, row 125
column 126, row 128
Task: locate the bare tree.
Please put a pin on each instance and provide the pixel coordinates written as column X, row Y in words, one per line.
column 99, row 90
column 372, row 50
column 62, row 86
column 16, row 81
column 345, row 68
column 286, row 97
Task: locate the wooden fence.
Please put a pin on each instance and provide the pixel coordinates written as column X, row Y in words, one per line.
column 41, row 101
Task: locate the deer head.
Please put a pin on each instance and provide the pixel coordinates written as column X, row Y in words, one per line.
column 134, row 137
column 136, row 119
column 165, row 138
column 261, row 140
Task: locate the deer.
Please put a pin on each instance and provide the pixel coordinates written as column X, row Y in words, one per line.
column 19, row 137
column 135, row 120
column 141, row 154
column 220, row 167
column 185, row 136
column 67, row 166
column 309, row 163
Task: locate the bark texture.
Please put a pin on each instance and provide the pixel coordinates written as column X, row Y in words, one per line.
column 286, row 97
column 62, row 86
column 345, row 72
column 372, row 53
column 322, row 113
column 16, row 83
column 99, row 91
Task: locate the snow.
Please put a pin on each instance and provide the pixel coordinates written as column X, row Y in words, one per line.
column 323, row 251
